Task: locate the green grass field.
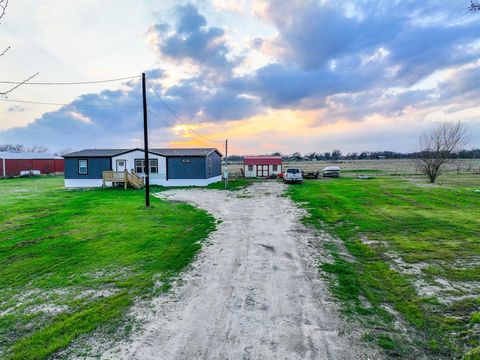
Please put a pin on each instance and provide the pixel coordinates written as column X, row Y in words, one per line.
column 74, row 261
column 408, row 259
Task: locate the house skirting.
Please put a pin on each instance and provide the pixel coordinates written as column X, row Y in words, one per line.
column 91, row 183
column 83, row 183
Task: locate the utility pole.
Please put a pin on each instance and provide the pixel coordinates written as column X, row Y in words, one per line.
column 225, row 175
column 145, row 144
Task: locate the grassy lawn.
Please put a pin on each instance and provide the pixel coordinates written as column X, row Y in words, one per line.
column 408, row 259
column 74, row 261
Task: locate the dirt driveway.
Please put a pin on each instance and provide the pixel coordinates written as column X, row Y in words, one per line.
column 254, row 292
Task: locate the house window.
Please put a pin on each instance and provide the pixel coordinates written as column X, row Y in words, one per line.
column 274, row 167
column 139, row 166
column 153, row 166
column 250, row 167
column 185, row 160
column 210, row 168
column 83, row 167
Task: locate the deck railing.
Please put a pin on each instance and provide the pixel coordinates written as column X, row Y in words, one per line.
column 123, row 177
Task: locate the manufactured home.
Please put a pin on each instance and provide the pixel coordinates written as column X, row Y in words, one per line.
column 262, row 166
column 14, row 164
column 167, row 167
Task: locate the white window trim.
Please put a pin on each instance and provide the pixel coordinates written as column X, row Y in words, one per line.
column 80, row 167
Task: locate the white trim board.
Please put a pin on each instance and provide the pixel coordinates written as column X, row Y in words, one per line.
column 83, row 183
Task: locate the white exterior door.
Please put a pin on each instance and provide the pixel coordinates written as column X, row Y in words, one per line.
column 121, row 165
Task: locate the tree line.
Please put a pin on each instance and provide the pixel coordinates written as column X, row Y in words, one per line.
column 19, row 148
column 364, row 155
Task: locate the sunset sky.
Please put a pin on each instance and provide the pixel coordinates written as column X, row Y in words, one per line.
column 269, row 75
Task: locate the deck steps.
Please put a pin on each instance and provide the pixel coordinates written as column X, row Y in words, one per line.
column 123, row 177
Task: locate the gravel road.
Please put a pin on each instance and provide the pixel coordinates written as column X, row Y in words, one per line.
column 254, row 291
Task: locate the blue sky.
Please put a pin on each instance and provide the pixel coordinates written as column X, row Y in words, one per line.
column 270, row 75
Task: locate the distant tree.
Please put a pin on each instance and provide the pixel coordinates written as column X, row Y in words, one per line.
column 336, row 154
column 64, row 151
column 327, row 156
column 474, row 6
column 309, row 156
column 12, row 147
column 37, row 149
column 437, row 146
column 297, row 155
column 276, row 154
column 4, row 93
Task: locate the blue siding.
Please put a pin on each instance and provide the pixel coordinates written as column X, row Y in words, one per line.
column 95, row 168
column 178, row 169
column 216, row 168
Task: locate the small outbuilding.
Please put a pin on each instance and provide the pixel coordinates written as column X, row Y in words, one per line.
column 262, row 166
column 13, row 164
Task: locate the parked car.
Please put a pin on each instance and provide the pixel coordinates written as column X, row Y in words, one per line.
column 292, row 175
column 331, row 171
column 310, row 174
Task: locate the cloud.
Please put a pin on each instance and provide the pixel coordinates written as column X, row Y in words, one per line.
column 191, row 40
column 332, row 62
column 80, row 126
column 366, row 56
column 201, row 100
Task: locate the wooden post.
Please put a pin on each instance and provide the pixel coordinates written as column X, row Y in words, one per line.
column 226, row 163
column 145, row 141
column 125, row 179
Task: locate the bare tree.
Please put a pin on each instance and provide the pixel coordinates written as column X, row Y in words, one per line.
column 474, row 6
column 4, row 93
column 64, row 151
column 37, row 149
column 336, row 154
column 437, row 146
column 12, row 147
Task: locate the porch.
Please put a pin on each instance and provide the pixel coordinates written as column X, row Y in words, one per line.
column 123, row 177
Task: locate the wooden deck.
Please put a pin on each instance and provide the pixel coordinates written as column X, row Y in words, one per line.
column 123, row 177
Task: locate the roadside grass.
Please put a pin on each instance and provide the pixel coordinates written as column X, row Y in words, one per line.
column 72, row 261
column 236, row 184
column 405, row 240
column 233, row 185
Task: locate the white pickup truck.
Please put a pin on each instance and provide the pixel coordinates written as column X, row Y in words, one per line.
column 293, row 176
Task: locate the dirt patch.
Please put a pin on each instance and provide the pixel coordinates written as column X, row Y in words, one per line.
column 254, row 292
column 446, row 291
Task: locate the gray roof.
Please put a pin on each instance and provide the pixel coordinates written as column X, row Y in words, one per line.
column 97, row 152
column 163, row 152
column 27, row 155
column 184, row 152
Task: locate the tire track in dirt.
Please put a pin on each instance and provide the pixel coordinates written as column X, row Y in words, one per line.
column 254, row 292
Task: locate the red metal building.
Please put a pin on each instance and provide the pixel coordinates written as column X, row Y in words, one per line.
column 262, row 166
column 11, row 164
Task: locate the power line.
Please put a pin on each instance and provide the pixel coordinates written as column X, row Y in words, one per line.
column 159, row 118
column 178, row 118
column 70, row 83
column 168, row 124
column 70, row 105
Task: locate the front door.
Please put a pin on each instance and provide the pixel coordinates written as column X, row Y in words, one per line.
column 121, row 165
column 262, row 170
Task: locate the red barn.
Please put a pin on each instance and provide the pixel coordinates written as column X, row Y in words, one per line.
column 262, row 166
column 11, row 164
